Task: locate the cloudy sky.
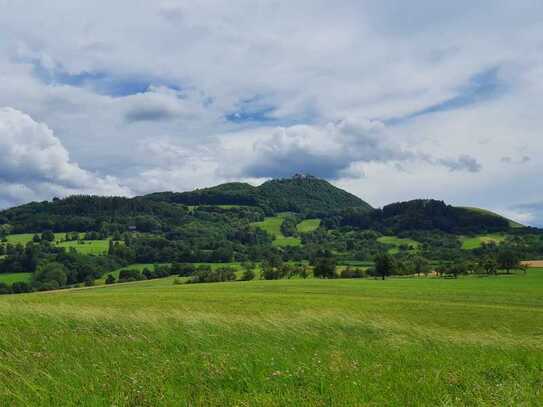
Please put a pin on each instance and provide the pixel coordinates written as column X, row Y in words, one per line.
column 392, row 100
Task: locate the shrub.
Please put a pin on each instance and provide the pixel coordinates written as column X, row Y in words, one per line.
column 110, row 279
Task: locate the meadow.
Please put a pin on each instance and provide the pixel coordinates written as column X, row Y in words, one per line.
column 93, row 247
column 474, row 242
column 397, row 242
column 403, row 341
column 272, row 225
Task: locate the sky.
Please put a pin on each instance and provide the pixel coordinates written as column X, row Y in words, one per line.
column 391, row 100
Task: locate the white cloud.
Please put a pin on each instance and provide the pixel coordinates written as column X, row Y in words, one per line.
column 199, row 62
column 34, row 163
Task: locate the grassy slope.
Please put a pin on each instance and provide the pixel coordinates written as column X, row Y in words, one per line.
column 24, row 238
column 396, row 242
column 474, row 242
column 272, row 225
column 308, row 225
column 96, row 247
column 470, row 341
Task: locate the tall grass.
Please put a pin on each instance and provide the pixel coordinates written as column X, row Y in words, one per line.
column 471, row 341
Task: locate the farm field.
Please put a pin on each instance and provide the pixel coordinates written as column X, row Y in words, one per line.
column 470, row 243
column 471, row 341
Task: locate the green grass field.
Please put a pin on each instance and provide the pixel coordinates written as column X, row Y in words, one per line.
column 24, row 238
column 431, row 342
column 95, row 247
column 396, row 242
column 474, row 242
column 10, row 278
column 272, row 225
column 308, row 225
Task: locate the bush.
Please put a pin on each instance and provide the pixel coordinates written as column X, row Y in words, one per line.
column 352, row 273
column 129, row 275
column 110, row 279
column 20, row 287
column 5, row 289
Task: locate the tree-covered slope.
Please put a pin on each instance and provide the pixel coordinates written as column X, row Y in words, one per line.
column 421, row 214
column 308, row 194
column 300, row 193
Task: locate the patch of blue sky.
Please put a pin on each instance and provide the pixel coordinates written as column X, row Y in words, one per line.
column 483, row 86
column 103, row 83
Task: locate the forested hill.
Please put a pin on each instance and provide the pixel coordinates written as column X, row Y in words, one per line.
column 301, row 194
column 233, row 207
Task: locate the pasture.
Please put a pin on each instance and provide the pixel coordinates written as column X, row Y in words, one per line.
column 308, row 225
column 474, row 242
column 411, row 341
column 272, row 225
column 396, row 243
column 94, row 247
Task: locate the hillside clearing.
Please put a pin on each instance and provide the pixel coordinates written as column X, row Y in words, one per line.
column 398, row 243
column 272, row 225
column 474, row 242
column 308, row 225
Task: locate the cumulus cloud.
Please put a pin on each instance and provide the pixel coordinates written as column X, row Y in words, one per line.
column 325, row 151
column 34, row 163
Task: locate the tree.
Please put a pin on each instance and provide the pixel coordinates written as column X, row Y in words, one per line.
column 48, row 236
column 36, row 238
column 489, row 265
column 325, row 267
column 248, row 271
column 21, row 287
column 53, row 274
column 421, row 266
column 110, row 279
column 508, row 260
column 384, row 265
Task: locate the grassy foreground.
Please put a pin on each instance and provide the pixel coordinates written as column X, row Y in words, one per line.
column 471, row 341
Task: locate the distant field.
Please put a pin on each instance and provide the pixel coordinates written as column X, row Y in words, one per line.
column 10, row 278
column 95, row 247
column 308, row 225
column 400, row 342
column 470, row 243
column 272, row 225
column 396, row 242
column 24, row 238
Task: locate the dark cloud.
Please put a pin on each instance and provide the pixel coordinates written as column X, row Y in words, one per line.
column 462, row 163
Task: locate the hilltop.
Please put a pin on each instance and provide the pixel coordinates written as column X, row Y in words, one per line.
column 301, row 194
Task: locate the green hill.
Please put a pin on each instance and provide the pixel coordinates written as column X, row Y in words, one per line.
column 301, row 193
